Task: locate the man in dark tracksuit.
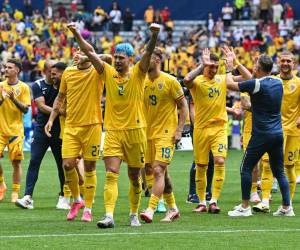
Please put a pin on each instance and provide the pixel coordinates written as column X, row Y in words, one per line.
column 267, row 136
column 44, row 94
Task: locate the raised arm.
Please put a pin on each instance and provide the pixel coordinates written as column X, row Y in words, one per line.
column 145, row 60
column 183, row 112
column 231, row 84
column 87, row 49
column 78, row 59
column 58, row 102
column 188, row 80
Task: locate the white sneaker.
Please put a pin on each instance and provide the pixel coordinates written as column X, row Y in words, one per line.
column 239, row 211
column 134, row 220
column 284, row 212
column 255, row 198
column 106, row 222
column 262, row 207
column 63, row 203
column 298, row 179
column 26, row 202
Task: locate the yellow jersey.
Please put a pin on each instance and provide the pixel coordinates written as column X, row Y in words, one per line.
column 83, row 90
column 10, row 116
column 161, row 96
column 209, row 97
column 247, row 118
column 290, row 108
column 124, row 98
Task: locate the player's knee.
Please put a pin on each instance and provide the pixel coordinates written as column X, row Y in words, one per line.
column 89, row 166
column 16, row 163
column 159, row 171
column 69, row 164
column 134, row 174
column 148, row 169
column 201, row 165
column 219, row 160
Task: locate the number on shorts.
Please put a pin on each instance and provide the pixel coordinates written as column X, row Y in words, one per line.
column 291, row 156
column 165, row 153
column 121, row 90
column 96, row 150
column 153, row 100
column 221, row 147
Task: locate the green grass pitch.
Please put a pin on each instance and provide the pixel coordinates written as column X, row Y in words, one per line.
column 47, row 228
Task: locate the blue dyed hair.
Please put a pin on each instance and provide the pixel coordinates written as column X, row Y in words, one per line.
column 125, row 48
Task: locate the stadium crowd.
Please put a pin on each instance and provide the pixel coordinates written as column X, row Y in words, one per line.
column 36, row 38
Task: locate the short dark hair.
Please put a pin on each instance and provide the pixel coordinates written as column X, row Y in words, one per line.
column 17, row 63
column 213, row 57
column 158, row 52
column 265, row 63
column 60, row 66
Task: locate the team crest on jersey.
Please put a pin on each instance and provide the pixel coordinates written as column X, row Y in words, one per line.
column 17, row 92
column 292, row 86
column 160, row 86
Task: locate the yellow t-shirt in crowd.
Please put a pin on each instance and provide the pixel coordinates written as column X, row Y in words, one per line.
column 161, row 96
column 83, row 90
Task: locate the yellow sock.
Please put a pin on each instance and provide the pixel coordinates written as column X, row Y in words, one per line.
column 90, row 184
column 135, row 191
column 82, row 190
column 16, row 188
column 254, row 187
column 1, row 180
column 291, row 175
column 218, row 181
column 67, row 191
column 201, row 182
column 110, row 192
column 170, row 200
column 266, row 180
column 153, row 201
column 72, row 182
column 149, row 181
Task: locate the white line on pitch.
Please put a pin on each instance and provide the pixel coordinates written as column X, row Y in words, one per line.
column 152, row 233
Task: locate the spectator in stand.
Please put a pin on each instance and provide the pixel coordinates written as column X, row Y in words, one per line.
column 219, row 27
column 7, row 7
column 210, row 23
column 277, row 11
column 74, row 6
column 265, row 6
column 239, row 5
column 27, row 8
column 48, row 11
column 62, row 11
column 255, row 8
column 165, row 14
column 246, row 12
column 128, row 20
column 116, row 18
column 149, row 15
column 157, row 17
column 227, row 12
column 98, row 19
column 289, row 15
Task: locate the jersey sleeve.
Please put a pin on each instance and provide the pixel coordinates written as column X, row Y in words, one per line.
column 138, row 73
column 63, row 84
column 250, row 86
column 176, row 90
column 36, row 91
column 26, row 98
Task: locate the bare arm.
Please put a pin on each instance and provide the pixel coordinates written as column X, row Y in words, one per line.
column 183, row 112
column 87, row 49
column 245, row 102
column 190, row 77
column 188, row 80
column 40, row 103
column 78, row 59
column 145, row 60
column 55, row 112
